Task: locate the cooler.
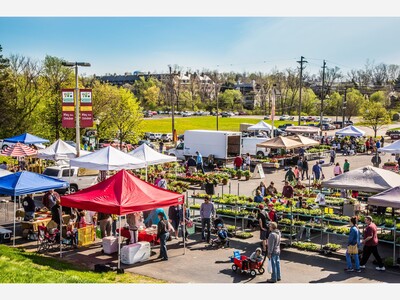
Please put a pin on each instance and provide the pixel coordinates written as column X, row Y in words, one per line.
column 110, row 244
column 5, row 235
column 134, row 253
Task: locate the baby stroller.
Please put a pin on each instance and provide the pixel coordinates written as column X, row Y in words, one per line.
column 47, row 239
column 215, row 223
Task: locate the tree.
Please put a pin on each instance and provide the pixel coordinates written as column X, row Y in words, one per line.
column 310, row 104
column 334, row 105
column 374, row 115
column 229, row 98
column 57, row 77
column 355, row 101
column 124, row 117
column 6, row 94
column 381, row 97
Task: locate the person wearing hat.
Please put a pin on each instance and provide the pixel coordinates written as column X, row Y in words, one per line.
column 222, row 237
column 263, row 220
column 256, row 256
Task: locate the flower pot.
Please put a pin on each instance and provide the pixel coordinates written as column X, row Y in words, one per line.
column 224, row 181
column 247, row 177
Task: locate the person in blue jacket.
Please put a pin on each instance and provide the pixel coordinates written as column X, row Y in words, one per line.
column 354, row 239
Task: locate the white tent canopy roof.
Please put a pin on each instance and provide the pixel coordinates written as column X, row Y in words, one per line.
column 4, row 172
column 366, row 179
column 388, row 198
column 59, row 150
column 107, row 159
column 350, row 131
column 392, row 148
column 303, row 129
column 260, row 126
column 150, row 156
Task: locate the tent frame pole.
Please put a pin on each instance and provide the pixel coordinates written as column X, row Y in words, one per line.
column 15, row 212
column 119, row 244
column 61, row 227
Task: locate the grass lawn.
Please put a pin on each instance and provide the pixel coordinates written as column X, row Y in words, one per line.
column 206, row 123
column 18, row 266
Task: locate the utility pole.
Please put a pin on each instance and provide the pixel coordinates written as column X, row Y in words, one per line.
column 322, row 95
column 343, row 105
column 171, row 82
column 301, row 62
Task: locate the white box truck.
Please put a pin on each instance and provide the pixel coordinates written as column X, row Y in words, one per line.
column 224, row 146
column 249, row 145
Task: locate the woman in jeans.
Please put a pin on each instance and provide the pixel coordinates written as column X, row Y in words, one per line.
column 163, row 235
column 274, row 241
column 354, row 239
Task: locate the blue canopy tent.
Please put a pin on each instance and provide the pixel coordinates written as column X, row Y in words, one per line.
column 22, row 183
column 26, row 138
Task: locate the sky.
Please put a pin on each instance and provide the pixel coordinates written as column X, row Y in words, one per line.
column 239, row 44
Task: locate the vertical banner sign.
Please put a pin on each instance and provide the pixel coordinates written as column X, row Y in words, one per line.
column 68, row 108
column 86, row 112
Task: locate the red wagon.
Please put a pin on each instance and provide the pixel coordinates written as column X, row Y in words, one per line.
column 245, row 265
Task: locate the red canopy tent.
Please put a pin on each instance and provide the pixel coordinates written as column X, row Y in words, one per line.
column 121, row 194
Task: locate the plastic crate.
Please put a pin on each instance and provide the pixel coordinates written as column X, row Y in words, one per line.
column 86, row 235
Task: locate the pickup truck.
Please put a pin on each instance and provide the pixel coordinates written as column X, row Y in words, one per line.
column 79, row 178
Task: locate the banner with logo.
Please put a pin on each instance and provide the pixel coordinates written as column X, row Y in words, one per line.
column 86, row 111
column 68, row 108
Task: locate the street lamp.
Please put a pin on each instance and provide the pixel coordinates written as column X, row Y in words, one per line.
column 77, row 125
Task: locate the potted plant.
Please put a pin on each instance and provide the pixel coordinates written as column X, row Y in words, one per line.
column 247, row 174
column 233, row 173
column 239, row 174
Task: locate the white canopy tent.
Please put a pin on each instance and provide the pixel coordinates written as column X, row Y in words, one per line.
column 150, row 156
column 303, row 129
column 107, row 159
column 260, row 126
column 365, row 179
column 392, row 148
column 350, row 131
column 59, row 150
column 4, row 172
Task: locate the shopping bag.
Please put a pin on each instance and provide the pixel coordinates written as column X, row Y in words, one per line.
column 269, row 266
column 352, row 249
column 98, row 232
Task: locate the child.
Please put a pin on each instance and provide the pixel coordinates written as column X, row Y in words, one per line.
column 222, row 238
column 256, row 256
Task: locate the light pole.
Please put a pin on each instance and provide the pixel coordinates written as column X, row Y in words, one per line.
column 216, row 98
column 97, row 133
column 77, row 118
column 172, row 103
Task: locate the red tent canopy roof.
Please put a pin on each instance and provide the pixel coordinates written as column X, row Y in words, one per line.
column 122, row 194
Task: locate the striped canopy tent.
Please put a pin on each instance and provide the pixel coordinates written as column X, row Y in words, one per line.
column 18, row 150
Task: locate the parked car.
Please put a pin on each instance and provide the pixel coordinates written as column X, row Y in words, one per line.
column 79, row 178
column 243, row 113
column 148, row 114
column 310, row 119
column 326, row 126
column 166, row 137
column 303, row 118
column 286, row 118
column 267, row 117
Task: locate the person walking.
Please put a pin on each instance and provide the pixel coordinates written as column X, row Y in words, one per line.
column 296, row 173
column 289, row 176
column 370, row 242
column 161, row 146
column 346, row 166
column 304, row 169
column 163, row 235
column 317, row 171
column 191, row 164
column 174, row 219
column 352, row 247
column 105, row 223
column 247, row 162
column 207, row 211
column 263, row 220
column 337, row 170
column 274, row 251
column 199, row 162
column 332, row 156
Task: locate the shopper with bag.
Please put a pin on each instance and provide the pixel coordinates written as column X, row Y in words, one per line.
column 352, row 247
column 274, row 251
column 163, row 235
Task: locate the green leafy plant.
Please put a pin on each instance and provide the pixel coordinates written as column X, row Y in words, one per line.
column 306, row 246
column 243, row 235
column 331, row 247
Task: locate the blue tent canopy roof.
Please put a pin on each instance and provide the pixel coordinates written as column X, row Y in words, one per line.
column 22, row 183
column 26, row 138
